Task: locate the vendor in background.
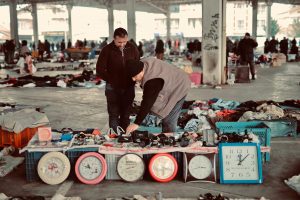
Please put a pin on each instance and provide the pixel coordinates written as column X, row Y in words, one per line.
column 24, row 49
column 164, row 90
column 119, row 90
column 245, row 51
column 26, row 65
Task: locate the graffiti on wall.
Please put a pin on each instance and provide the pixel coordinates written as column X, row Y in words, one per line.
column 212, row 36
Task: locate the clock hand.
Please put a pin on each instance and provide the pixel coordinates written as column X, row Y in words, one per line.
column 240, row 157
column 240, row 162
column 199, row 167
column 130, row 167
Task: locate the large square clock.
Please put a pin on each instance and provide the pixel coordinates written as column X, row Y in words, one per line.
column 240, row 163
column 199, row 167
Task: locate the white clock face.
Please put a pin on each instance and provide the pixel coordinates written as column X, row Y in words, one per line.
column 90, row 168
column 53, row 167
column 200, row 167
column 131, row 167
column 240, row 163
column 163, row 167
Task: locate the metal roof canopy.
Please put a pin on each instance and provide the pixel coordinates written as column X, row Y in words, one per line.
column 155, row 6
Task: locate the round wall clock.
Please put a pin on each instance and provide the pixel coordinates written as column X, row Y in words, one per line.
column 199, row 167
column 163, row 167
column 91, row 168
column 53, row 168
column 131, row 167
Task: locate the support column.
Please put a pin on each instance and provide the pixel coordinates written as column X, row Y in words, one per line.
column 168, row 22
column 110, row 11
column 254, row 18
column 69, row 8
column 214, row 41
column 35, row 24
column 14, row 32
column 268, row 28
column 131, row 25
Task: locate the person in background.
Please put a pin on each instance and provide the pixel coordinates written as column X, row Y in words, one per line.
column 164, row 90
column 103, row 44
column 140, row 48
column 119, row 89
column 47, row 48
column 266, row 47
column 284, row 46
column 28, row 62
column 62, row 45
column 41, row 48
column 24, row 49
column 273, row 45
column 69, row 44
column 159, row 49
column 245, row 50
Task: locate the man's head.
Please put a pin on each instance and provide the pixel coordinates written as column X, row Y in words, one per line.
column 135, row 70
column 247, row 35
column 120, row 37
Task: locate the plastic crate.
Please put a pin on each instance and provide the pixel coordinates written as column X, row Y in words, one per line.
column 281, row 127
column 31, row 162
column 258, row 128
column 17, row 140
column 112, row 160
column 177, row 155
column 74, row 154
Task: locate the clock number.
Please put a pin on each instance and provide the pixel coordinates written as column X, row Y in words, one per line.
column 232, row 174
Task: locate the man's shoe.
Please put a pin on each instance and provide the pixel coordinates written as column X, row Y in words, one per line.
column 253, row 78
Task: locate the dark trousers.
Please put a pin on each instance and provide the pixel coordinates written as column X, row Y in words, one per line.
column 119, row 103
column 251, row 64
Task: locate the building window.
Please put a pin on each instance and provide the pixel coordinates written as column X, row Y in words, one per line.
column 160, row 22
column 194, row 22
column 240, row 24
column 261, row 9
column 238, row 5
column 175, row 23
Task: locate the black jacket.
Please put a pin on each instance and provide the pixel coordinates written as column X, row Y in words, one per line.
column 111, row 64
column 245, row 49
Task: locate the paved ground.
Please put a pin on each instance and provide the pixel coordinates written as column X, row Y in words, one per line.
column 81, row 108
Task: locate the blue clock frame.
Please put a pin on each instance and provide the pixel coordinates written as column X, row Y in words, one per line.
column 259, row 180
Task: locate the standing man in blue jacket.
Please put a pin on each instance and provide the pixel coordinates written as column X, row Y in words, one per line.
column 119, row 90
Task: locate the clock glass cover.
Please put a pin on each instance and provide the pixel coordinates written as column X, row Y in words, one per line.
column 131, row 167
column 163, row 167
column 240, row 163
column 200, row 167
column 91, row 168
column 53, row 168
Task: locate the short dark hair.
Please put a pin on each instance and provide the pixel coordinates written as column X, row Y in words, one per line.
column 247, row 34
column 121, row 32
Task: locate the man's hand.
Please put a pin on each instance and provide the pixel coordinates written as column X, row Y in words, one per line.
column 131, row 128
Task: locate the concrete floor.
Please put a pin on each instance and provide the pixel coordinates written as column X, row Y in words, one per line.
column 81, row 108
